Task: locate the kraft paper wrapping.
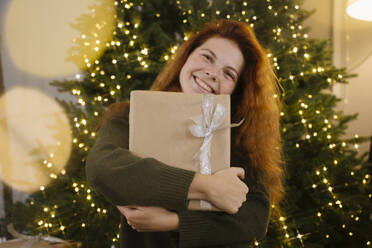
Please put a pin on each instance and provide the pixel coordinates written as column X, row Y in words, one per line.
column 38, row 241
column 21, row 243
column 159, row 128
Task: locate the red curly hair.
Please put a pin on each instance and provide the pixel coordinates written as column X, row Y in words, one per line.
column 255, row 98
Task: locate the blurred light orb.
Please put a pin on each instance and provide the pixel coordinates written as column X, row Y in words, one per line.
column 360, row 9
column 35, row 139
column 50, row 38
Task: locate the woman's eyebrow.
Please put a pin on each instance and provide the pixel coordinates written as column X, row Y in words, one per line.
column 215, row 56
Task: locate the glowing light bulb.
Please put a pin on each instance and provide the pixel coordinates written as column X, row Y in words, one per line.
column 360, row 9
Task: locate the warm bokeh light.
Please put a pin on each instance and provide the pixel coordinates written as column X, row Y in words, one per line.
column 360, row 9
column 35, row 139
column 41, row 34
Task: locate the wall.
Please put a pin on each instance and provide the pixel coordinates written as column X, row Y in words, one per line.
column 352, row 44
column 352, row 41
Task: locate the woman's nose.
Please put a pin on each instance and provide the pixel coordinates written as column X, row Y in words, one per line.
column 212, row 75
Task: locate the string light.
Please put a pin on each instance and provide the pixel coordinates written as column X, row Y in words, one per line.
column 303, row 113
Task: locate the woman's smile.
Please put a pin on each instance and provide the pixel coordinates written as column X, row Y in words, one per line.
column 205, row 88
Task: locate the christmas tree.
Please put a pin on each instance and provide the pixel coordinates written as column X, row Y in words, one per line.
column 328, row 192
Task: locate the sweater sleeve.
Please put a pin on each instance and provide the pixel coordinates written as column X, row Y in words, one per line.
column 206, row 229
column 126, row 179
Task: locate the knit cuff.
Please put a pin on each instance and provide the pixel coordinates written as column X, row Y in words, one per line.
column 193, row 228
column 173, row 190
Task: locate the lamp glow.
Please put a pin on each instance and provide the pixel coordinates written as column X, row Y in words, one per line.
column 360, row 9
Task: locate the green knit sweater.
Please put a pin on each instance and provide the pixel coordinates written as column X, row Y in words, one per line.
column 125, row 179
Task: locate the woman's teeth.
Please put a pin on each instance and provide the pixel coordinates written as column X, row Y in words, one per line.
column 203, row 85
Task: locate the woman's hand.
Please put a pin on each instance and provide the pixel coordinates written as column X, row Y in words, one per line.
column 227, row 191
column 150, row 219
column 224, row 189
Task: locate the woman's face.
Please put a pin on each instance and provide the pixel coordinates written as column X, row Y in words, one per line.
column 212, row 68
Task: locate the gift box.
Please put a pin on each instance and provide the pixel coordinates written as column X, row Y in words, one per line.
column 175, row 128
column 35, row 243
column 39, row 241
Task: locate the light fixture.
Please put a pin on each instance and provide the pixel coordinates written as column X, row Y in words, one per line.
column 360, row 9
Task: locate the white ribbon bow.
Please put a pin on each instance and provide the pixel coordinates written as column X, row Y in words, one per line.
column 203, row 127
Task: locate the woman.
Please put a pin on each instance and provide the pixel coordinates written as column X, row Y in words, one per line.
column 222, row 58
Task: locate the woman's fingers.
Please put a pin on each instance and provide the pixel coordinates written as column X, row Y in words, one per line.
column 122, row 210
column 246, row 191
column 143, row 219
column 239, row 172
column 127, row 211
column 227, row 191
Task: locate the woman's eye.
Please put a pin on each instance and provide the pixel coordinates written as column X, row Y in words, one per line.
column 209, row 58
column 230, row 75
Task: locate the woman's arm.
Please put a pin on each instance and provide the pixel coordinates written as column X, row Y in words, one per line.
column 206, row 229
column 126, row 179
column 199, row 229
column 156, row 219
column 150, row 219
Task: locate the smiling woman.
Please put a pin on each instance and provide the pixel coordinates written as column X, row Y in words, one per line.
column 224, row 57
column 214, row 67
